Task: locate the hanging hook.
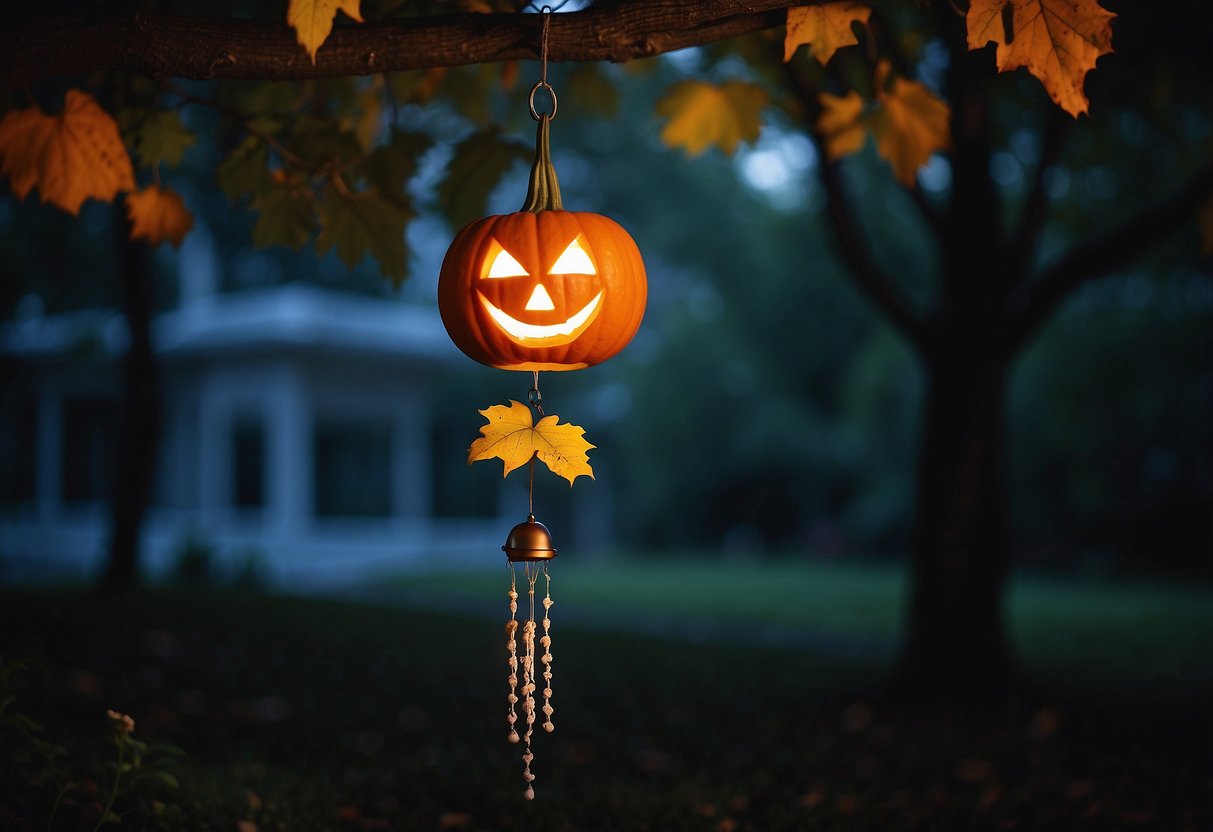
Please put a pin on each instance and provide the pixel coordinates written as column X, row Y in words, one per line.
column 542, row 83
column 533, row 395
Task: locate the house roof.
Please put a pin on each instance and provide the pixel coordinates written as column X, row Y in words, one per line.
column 293, row 317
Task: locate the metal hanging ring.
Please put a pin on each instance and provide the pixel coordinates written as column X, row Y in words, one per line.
column 531, row 100
column 536, row 399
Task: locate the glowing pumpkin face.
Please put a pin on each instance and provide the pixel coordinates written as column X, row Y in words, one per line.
column 553, row 290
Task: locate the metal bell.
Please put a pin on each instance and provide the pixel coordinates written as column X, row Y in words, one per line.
column 529, row 541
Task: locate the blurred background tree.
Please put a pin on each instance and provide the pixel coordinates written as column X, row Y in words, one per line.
column 766, row 406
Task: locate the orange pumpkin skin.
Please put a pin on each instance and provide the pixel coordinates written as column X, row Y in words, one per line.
column 611, row 300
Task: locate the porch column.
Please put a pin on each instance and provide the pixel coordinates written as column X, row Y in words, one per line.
column 48, row 474
column 288, row 426
column 411, row 456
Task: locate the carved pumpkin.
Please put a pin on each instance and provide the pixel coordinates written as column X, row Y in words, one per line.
column 543, row 288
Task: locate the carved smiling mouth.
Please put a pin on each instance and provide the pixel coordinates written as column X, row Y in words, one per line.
column 552, row 335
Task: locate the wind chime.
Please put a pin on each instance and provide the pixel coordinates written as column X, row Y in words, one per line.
column 539, row 289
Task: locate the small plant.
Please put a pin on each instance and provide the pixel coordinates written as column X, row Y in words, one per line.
column 30, row 764
column 37, row 775
column 138, row 761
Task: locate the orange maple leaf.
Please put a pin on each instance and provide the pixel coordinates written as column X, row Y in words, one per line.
column 512, row 436
column 1058, row 41
column 841, row 123
column 157, row 215
column 312, row 20
column 69, row 158
column 911, row 124
column 908, row 121
column 702, row 114
column 824, row 29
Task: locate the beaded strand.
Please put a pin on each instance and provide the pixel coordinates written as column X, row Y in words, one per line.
column 528, row 679
column 511, row 628
column 546, row 641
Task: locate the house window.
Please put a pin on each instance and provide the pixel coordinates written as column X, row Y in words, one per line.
column 18, row 444
column 353, row 469
column 90, row 431
column 248, row 463
column 460, row 490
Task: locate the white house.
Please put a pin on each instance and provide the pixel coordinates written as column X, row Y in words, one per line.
column 297, row 428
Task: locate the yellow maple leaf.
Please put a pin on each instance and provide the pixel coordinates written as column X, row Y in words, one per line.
column 157, row 215
column 908, row 121
column 69, row 158
column 702, row 114
column 312, row 20
column 512, row 436
column 824, row 29
column 1058, row 41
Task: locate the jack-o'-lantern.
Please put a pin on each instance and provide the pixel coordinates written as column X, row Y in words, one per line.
column 540, row 289
column 543, row 288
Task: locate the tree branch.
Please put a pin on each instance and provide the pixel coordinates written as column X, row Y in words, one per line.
column 1035, row 210
column 871, row 280
column 164, row 46
column 1032, row 304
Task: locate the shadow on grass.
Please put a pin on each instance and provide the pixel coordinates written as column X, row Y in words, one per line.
column 317, row 714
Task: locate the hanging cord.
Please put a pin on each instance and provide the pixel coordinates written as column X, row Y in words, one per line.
column 542, row 83
column 536, row 399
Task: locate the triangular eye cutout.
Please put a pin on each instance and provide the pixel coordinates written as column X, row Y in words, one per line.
column 504, row 265
column 574, row 261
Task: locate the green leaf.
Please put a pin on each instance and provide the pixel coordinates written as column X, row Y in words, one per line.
column 162, row 137
column 244, row 171
column 287, row 214
column 365, row 223
column 479, row 162
column 388, row 168
column 319, row 139
column 591, row 92
column 260, row 97
column 415, row 87
column 160, row 776
column 472, row 91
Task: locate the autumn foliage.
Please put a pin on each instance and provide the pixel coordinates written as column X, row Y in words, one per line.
column 347, row 196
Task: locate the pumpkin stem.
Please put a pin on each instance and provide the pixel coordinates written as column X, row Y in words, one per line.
column 544, row 191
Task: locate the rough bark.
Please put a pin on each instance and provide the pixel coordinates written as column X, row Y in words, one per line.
column 170, row 46
column 139, row 428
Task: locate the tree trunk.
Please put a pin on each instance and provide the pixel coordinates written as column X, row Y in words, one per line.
column 139, row 428
column 955, row 646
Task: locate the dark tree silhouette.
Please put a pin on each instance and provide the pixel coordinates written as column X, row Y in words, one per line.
column 992, row 297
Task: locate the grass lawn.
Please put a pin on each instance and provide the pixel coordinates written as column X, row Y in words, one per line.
column 299, row 714
column 1138, row 633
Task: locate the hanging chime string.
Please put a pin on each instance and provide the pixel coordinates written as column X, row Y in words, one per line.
column 511, row 628
column 529, row 686
column 548, row 710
